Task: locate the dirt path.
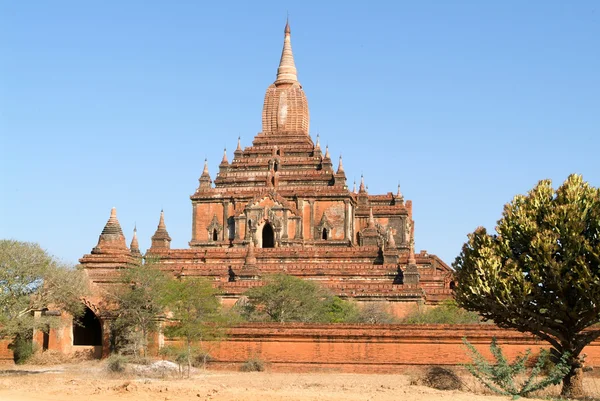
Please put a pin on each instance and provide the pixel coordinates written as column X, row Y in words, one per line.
column 90, row 381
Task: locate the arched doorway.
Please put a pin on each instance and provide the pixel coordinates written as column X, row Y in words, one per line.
column 324, row 234
column 87, row 329
column 268, row 236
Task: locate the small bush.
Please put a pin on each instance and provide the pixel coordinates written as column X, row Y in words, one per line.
column 253, row 365
column 502, row 376
column 23, row 349
column 442, row 379
column 116, row 363
column 448, row 312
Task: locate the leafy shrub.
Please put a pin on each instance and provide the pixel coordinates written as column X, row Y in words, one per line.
column 448, row 312
column 253, row 365
column 442, row 379
column 116, row 363
column 501, row 377
column 23, row 349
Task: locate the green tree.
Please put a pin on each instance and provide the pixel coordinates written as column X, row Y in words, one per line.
column 540, row 273
column 448, row 312
column 139, row 306
column 194, row 315
column 32, row 280
column 286, row 298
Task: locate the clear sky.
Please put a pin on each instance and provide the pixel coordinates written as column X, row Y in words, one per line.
column 117, row 103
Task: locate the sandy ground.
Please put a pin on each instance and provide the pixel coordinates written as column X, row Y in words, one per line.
column 91, row 381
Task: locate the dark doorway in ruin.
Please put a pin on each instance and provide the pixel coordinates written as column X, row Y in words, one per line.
column 324, row 236
column 87, row 329
column 268, row 236
column 215, row 235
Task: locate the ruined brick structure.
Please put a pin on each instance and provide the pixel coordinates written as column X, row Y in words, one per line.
column 280, row 205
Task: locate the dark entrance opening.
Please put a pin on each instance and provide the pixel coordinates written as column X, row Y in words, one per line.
column 215, row 235
column 324, row 236
column 87, row 330
column 268, row 236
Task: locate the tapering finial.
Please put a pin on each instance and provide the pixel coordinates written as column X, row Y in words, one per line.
column 399, row 194
column 371, row 219
column 354, row 187
column 340, row 166
column 327, row 152
column 239, row 144
column 135, row 247
column 161, row 222
column 362, row 184
column 391, row 242
column 224, row 161
column 205, row 171
column 287, row 29
column 113, row 213
column 318, row 144
column 286, row 73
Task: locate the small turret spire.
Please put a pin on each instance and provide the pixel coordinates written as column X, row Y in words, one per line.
column 161, row 238
column 371, row 219
column 399, row 194
column 135, row 246
column 111, row 239
column 354, row 187
column 318, row 144
column 362, row 189
column 286, row 73
column 327, row 152
column 205, row 171
column 239, row 144
column 340, row 169
column 224, row 161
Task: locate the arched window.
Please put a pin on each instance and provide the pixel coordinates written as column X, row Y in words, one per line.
column 268, row 236
column 87, row 330
column 215, row 235
column 273, row 181
column 275, row 166
column 324, row 236
column 452, row 285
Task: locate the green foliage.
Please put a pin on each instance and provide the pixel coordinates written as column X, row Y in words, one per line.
column 287, row 298
column 31, row 280
column 253, row 365
column 448, row 312
column 23, row 348
column 195, row 316
column 541, row 272
column 139, row 300
column 116, row 363
column 502, row 377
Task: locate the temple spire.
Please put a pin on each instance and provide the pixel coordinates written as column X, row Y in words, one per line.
column 239, row 144
column 205, row 171
column 135, row 246
column 362, row 184
column 371, row 219
column 340, row 169
column 318, row 144
column 399, row 194
column 224, row 161
column 286, row 73
column 111, row 239
column 327, row 152
column 205, row 181
column 354, row 187
column 161, row 238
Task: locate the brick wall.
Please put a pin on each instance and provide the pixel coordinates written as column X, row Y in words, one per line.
column 366, row 348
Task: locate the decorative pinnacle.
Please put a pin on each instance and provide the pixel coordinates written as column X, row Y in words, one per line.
column 399, row 194
column 327, row 152
column 318, row 144
column 340, row 166
column 161, row 222
column 286, row 73
column 224, row 161
column 362, row 184
column 371, row 219
column 205, row 171
column 354, row 187
column 239, row 145
column 135, row 247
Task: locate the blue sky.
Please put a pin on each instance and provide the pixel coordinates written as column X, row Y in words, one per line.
column 117, row 103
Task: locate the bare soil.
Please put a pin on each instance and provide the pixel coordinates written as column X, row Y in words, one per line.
column 91, row 381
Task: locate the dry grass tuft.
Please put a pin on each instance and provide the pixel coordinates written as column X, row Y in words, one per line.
column 442, row 379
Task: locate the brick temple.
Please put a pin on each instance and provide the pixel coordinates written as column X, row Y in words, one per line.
column 282, row 206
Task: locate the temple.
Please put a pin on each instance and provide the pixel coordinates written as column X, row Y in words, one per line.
column 282, row 206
